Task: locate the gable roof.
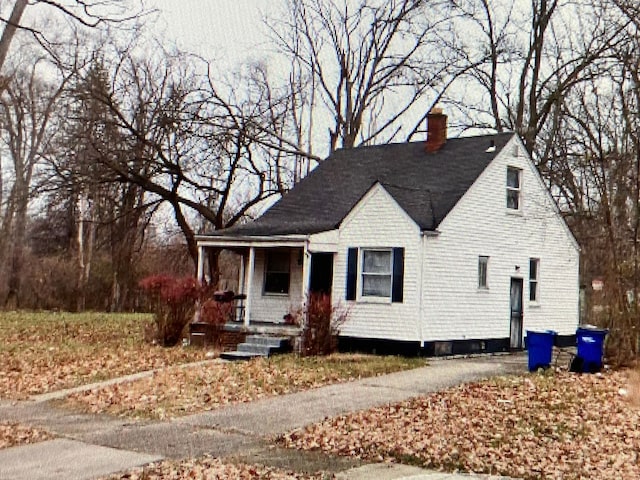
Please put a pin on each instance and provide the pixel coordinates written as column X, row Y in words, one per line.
column 426, row 185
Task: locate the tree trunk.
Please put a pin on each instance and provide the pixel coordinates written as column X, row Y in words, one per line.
column 10, row 30
column 18, row 235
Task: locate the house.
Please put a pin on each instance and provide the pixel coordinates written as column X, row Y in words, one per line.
column 448, row 246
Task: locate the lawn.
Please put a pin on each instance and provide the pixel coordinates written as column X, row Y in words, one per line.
column 180, row 391
column 556, row 425
column 13, row 434
column 44, row 352
column 211, row 468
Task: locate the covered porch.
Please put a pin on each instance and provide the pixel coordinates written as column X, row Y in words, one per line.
column 275, row 275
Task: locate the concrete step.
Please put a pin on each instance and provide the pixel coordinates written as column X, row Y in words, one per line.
column 239, row 355
column 275, row 342
column 255, row 348
column 258, row 346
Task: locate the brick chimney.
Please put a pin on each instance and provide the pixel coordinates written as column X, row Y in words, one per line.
column 436, row 130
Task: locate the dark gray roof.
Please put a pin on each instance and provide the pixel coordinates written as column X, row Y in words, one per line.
column 426, row 185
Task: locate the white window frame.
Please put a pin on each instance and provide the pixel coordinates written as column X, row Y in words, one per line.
column 361, row 275
column 517, row 190
column 267, row 253
column 483, row 280
column 534, row 281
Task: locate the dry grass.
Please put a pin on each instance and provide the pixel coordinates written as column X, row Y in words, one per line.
column 14, row 434
column 212, row 469
column 44, row 352
column 176, row 392
column 633, row 388
column 554, row 426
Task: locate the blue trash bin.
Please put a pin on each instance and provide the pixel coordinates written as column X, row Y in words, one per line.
column 540, row 348
column 590, row 343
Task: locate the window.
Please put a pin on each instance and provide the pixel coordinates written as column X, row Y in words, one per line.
column 376, row 273
column 276, row 275
column 483, row 265
column 513, row 188
column 534, row 276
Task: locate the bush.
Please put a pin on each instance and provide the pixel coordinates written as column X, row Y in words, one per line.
column 321, row 322
column 173, row 302
column 216, row 314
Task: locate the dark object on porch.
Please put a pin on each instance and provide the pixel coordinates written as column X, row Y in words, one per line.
column 223, row 296
column 258, row 346
column 228, row 296
column 540, row 349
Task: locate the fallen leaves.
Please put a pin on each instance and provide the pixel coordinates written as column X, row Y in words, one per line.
column 180, row 391
column 213, row 469
column 44, row 352
column 13, row 434
column 559, row 425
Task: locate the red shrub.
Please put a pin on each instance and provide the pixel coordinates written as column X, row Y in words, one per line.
column 216, row 313
column 173, row 302
column 321, row 322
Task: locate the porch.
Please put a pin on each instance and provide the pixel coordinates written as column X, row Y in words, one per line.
column 275, row 275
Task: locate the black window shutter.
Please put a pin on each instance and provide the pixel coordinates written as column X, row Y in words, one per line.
column 352, row 273
column 397, row 288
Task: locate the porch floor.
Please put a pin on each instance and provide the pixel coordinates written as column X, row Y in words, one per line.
column 264, row 328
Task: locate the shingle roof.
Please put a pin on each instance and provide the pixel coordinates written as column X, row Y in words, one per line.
column 426, row 185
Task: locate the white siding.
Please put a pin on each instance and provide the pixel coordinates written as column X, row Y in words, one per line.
column 324, row 242
column 453, row 306
column 378, row 221
column 272, row 307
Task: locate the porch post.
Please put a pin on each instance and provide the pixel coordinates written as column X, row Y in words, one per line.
column 305, row 273
column 250, row 274
column 242, row 288
column 200, row 274
column 200, row 278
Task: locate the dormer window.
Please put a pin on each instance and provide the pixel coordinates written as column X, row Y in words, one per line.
column 513, row 188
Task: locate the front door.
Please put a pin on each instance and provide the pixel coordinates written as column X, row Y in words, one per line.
column 321, row 276
column 516, row 314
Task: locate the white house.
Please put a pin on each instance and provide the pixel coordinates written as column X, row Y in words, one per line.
column 448, row 245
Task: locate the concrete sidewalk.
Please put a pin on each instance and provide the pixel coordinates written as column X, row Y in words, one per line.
column 96, row 445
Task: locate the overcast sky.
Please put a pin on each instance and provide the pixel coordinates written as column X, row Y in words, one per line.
column 225, row 30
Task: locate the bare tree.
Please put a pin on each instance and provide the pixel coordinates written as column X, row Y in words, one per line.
column 369, row 64
column 528, row 60
column 27, row 105
column 201, row 147
column 595, row 170
column 106, row 213
column 88, row 13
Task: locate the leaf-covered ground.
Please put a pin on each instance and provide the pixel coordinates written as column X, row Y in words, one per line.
column 13, row 434
column 554, row 426
column 177, row 391
column 44, row 352
column 207, row 468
